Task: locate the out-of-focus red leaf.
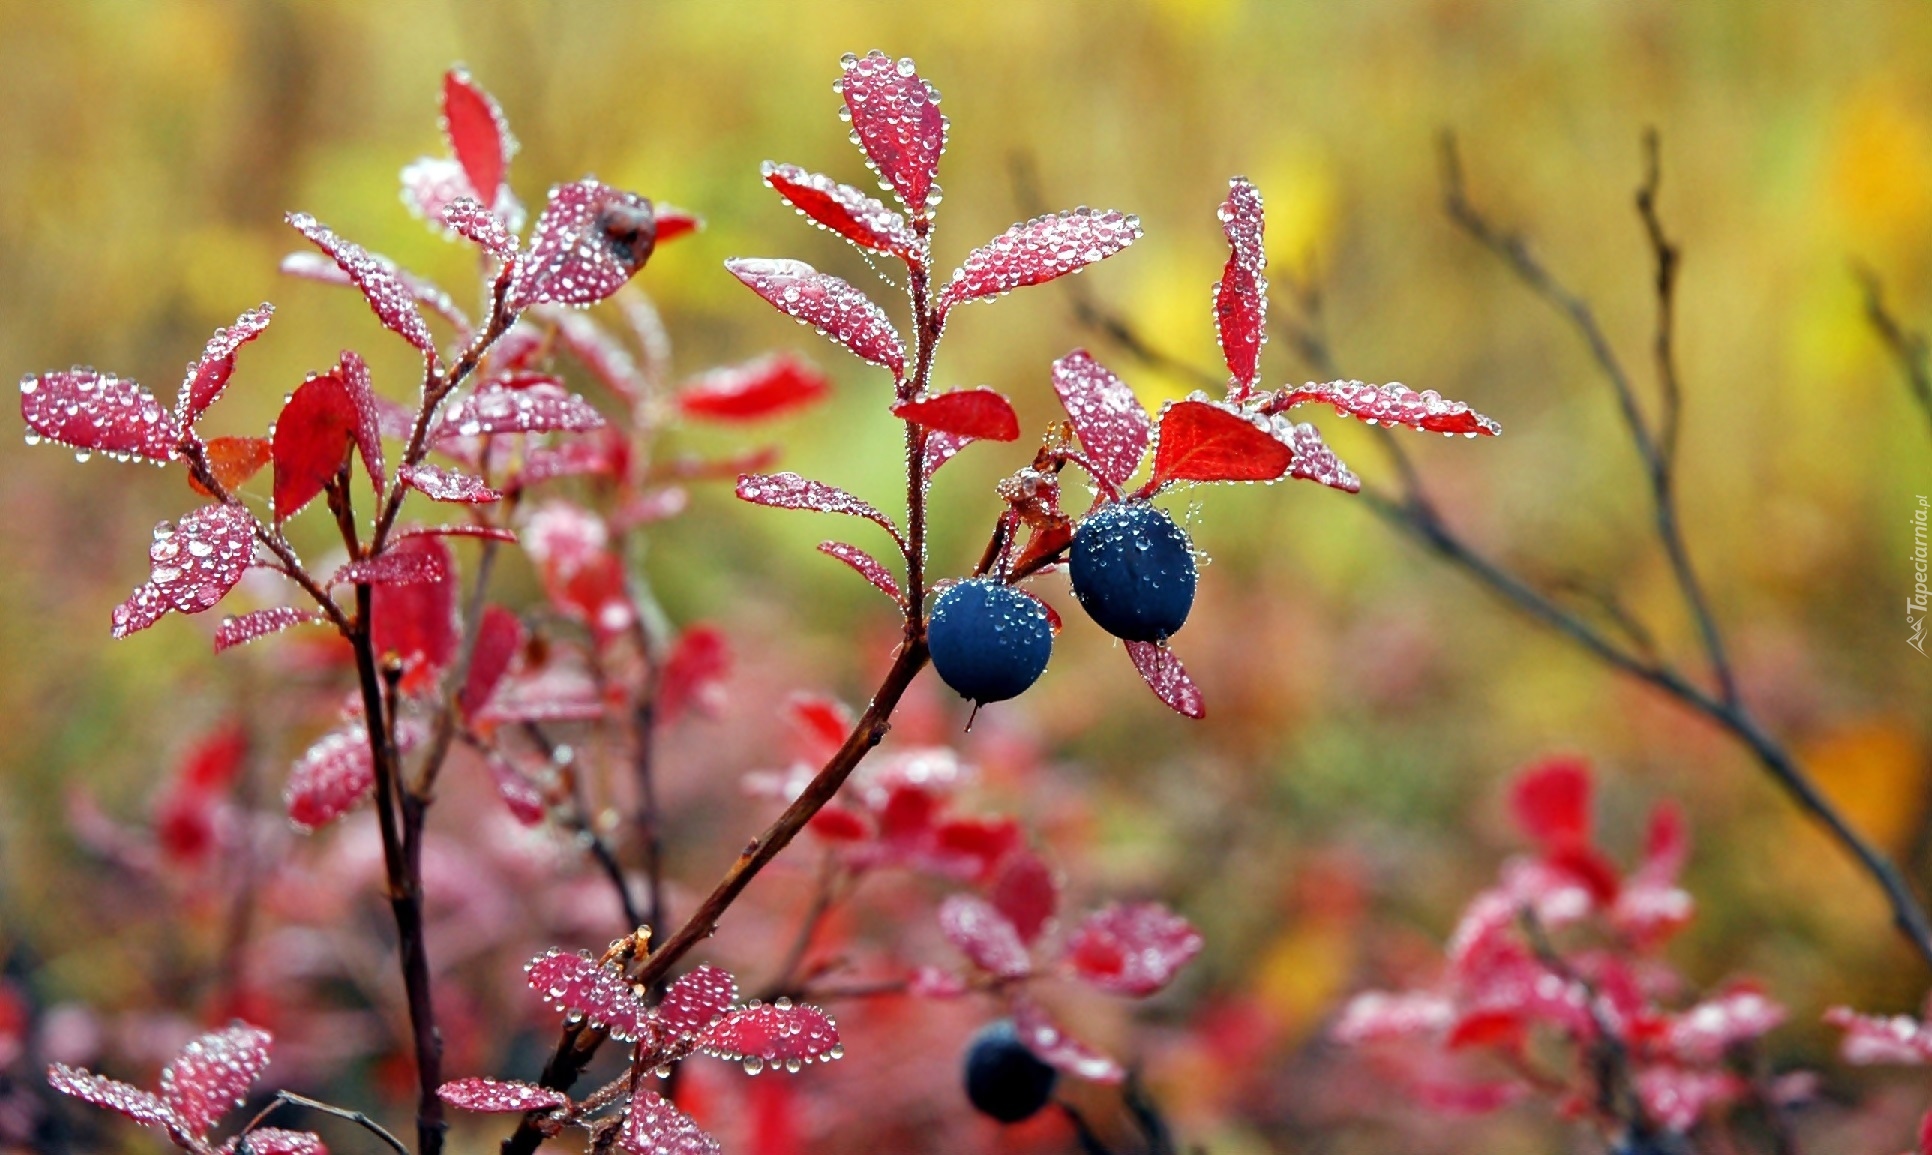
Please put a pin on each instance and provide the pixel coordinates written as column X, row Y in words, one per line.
column 1315, row 461
column 984, row 935
column 835, row 823
column 520, row 795
column 1391, row 404
column 417, row 621
column 439, row 484
column 1881, row 1038
column 215, row 759
column 1241, row 295
column 1666, row 843
column 790, row 491
column 1027, row 894
column 1202, row 441
column 973, row 847
column 138, row 1105
column 574, row 984
column 533, row 409
column 659, row 503
column 330, row 778
column 1677, row 1097
column 776, row 1034
column 577, row 457
column 1487, row 1027
column 500, row 1095
column 499, row 638
column 754, row 391
column 233, row 460
column 1040, row 250
column 821, row 724
column 191, row 566
column 209, row 374
column 695, row 672
column 394, row 567
column 1378, row 1016
column 842, row 209
column 1109, row 419
column 551, row 695
column 393, row 302
column 1707, row 1031
column 699, row 998
column 243, row 628
column 481, row 227
column 1132, row 948
column 1164, row 674
column 1055, row 1047
column 976, row 414
column 864, row 564
column 598, row 350
column 1551, row 802
column 589, row 241
column 479, row 135
column 755, row 460
column 312, row 437
column 94, row 412
column 896, row 120
column 835, row 308
column 212, row 1074
column 653, row 1126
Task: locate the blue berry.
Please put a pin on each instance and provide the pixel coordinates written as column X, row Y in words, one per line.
column 1003, row 1078
column 988, row 641
column 1133, row 571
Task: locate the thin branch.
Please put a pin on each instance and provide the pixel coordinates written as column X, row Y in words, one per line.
column 290, row 1098
column 1907, row 346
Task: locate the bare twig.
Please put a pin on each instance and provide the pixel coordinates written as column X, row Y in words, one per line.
column 1907, row 346
column 290, row 1098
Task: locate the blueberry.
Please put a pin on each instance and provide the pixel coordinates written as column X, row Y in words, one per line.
column 988, row 641
column 1003, row 1078
column 1133, row 571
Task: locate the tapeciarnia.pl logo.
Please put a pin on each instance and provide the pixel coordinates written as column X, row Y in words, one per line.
column 1915, row 605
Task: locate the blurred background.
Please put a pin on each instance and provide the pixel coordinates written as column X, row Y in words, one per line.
column 1342, row 800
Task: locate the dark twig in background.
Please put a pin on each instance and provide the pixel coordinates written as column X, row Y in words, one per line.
column 1907, row 346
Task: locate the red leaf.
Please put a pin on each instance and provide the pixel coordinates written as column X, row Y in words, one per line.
column 773, row 1033
column 1677, row 1098
column 1551, row 802
column 1057, row 1048
column 976, row 414
column 277, row 1141
column 790, row 491
column 699, row 998
column 942, row 447
column 653, row 1126
column 368, row 407
column 1241, row 296
column 393, row 301
column 417, row 621
column 1164, row 674
column 535, row 409
column 754, row 390
column 1881, row 1039
column 233, row 460
column 1378, row 1016
column 821, row 724
column 499, row 638
column 209, row 375
column 589, row 241
column 555, row 695
column 1666, row 844
column 330, row 778
column 1112, row 426
column 311, row 439
column 521, row 796
column 1027, row 894
column 864, row 564
column 212, row 1074
column 842, row 209
column 1315, row 461
column 1707, row 1031
column 1487, row 1027
column 1039, row 250
column 1133, row 948
column 146, row 1109
column 244, row 628
column 478, row 134
column 97, row 413
column 674, row 222
column 897, row 123
column 394, row 567
column 1202, row 441
column 984, row 935
column 694, row 672
column 191, row 566
column 441, row 484
column 574, row 984
column 500, row 1095
column 1391, row 404
column 828, row 304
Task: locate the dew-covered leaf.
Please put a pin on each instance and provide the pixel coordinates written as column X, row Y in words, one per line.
column 896, row 122
column 867, row 566
column 589, row 241
column 1315, row 461
column 394, row 567
column 480, row 227
column 486, row 532
column 598, row 350
column 979, row 414
column 1042, row 249
column 95, row 412
column 311, row 440
column 828, row 304
column 191, row 566
column 212, row 1074
column 842, row 209
column 552, row 695
column 500, row 1095
column 984, row 935
column 430, row 184
column 369, row 416
column 243, row 628
column 1391, row 404
column 942, row 447
column 1202, row 441
column 1869, row 1039
column 330, row 778
column 439, row 484
column 790, row 491
column 694, row 672
column 1027, row 893
column 575, row 984
column 539, row 408
column 1551, row 802
column 699, row 998
column 479, row 135
column 233, row 460
column 417, row 621
column 499, row 638
column 773, row 1034
column 1241, row 295
column 393, row 302
column 209, row 374
column 1112, row 426
column 144, row 1108
column 276, row 1141
column 1164, row 674
column 654, row 1126
column 1055, row 1047
column 755, row 390
column 1132, row 948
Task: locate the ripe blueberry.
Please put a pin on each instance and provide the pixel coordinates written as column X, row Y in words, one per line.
column 1003, row 1078
column 988, row 641
column 1133, row 571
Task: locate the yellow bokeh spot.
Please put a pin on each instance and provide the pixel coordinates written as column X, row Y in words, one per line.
column 1298, row 186
column 1881, row 167
column 1304, row 971
column 1875, row 771
column 1173, row 308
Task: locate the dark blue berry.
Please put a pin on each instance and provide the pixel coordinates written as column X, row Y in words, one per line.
column 1003, row 1078
column 1133, row 571
column 988, row 641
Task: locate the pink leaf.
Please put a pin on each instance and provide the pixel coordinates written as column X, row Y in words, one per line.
column 209, row 375
column 368, row 407
column 393, row 302
column 146, row 1109
column 598, row 351
column 695, row 671
column 540, row 408
column 864, row 564
column 1164, row 674
column 773, row 1033
column 500, row 1095
column 1056, row 1048
column 1133, row 948
column 520, row 796
column 190, row 566
column 481, row 227
column 311, row 440
column 1707, row 1031
column 499, row 638
column 574, row 984
column 754, row 390
column 439, row 484
column 1551, row 802
column 1881, row 1039
column 828, row 304
column 244, row 628
column 97, row 413
column 556, row 695
column 984, row 935
column 842, row 209
column 653, row 1126
column 330, row 778
column 1378, row 1016
column 1039, row 250
column 277, row 1141
column 487, row 532
column 589, row 241
column 790, row 491
column 1112, row 426
column 1241, row 296
column 1677, row 1098
column 430, row 185
column 896, row 122
column 1027, row 894
column 417, row 621
column 980, row 414
column 1315, row 461
column 478, row 134
column 1202, row 441
column 1391, row 404
column 211, row 1076
column 699, row 998
column 1666, row 843
column 394, row 567
column 942, row 447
